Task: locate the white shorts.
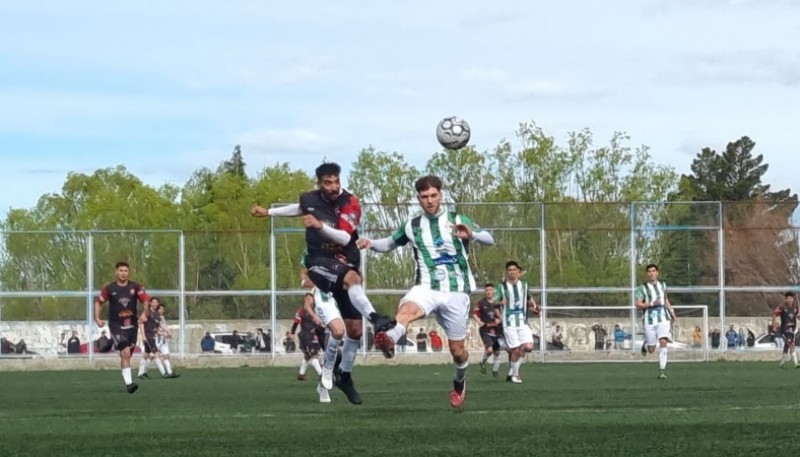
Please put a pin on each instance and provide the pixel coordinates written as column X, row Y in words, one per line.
column 452, row 309
column 517, row 336
column 327, row 311
column 655, row 332
column 163, row 345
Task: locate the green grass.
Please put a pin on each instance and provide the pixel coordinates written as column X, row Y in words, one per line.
column 703, row 409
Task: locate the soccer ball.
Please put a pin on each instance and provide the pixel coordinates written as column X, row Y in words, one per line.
column 453, row 132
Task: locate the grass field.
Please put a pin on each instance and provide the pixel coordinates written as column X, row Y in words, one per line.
column 703, row 409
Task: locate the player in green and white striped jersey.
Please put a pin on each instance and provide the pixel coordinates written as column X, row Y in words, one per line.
column 441, row 240
column 651, row 297
column 516, row 300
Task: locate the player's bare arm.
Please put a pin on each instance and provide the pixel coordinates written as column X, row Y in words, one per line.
column 477, row 319
column 98, row 307
column 308, row 306
column 465, row 232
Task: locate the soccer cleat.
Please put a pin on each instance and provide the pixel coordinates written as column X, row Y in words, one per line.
column 495, row 373
column 346, row 385
column 662, row 374
column 327, row 378
column 172, row 375
column 324, row 395
column 456, row 397
column 301, row 377
column 144, row 376
column 508, row 378
column 381, row 323
column 385, row 344
column 132, row 387
column 516, row 379
column 482, row 366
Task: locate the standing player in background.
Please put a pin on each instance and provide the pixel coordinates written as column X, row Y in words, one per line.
column 441, row 241
column 149, row 326
column 162, row 342
column 331, row 216
column 487, row 316
column 784, row 318
column 123, row 296
column 309, row 342
column 516, row 300
column 658, row 316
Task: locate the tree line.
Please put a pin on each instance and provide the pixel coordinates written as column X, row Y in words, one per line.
column 580, row 192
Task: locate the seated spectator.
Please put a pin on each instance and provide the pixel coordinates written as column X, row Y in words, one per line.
column 558, row 338
column 74, row 344
column 207, row 343
column 104, row 343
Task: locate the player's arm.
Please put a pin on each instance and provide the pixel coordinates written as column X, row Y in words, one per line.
column 670, row 309
column 532, row 305
column 641, row 303
column 776, row 319
column 477, row 318
column 298, row 317
column 281, row 211
column 142, row 320
column 466, row 229
column 98, row 306
column 308, row 306
column 390, row 243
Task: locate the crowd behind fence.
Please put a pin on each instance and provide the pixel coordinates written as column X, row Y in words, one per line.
column 735, row 258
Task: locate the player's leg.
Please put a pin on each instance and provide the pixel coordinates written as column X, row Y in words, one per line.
column 352, row 340
column 304, row 342
column 145, row 360
column 525, row 337
column 163, row 352
column 415, row 304
column 488, row 343
column 125, row 341
column 313, row 356
column 662, row 332
column 513, row 345
column 651, row 337
column 499, row 343
column 452, row 314
column 352, row 282
column 337, row 331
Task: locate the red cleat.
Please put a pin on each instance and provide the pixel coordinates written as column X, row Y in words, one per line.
column 385, row 344
column 457, row 399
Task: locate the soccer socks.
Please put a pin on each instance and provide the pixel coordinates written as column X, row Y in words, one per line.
column 143, row 366
column 662, row 358
column 167, row 366
column 396, row 332
column 316, row 365
column 330, row 352
column 461, row 371
column 349, row 351
column 303, row 367
column 496, row 362
column 359, row 300
column 794, row 357
column 515, row 367
column 126, row 376
column 160, row 365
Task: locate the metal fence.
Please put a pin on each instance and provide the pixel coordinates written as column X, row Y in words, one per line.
column 735, row 258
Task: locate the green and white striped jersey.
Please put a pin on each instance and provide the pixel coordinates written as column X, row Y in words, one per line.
column 515, row 311
column 650, row 293
column 442, row 258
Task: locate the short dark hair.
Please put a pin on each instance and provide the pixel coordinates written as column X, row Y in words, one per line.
column 426, row 182
column 512, row 263
column 328, row 169
column 121, row 264
column 789, row 294
column 651, row 265
column 154, row 298
column 488, row 284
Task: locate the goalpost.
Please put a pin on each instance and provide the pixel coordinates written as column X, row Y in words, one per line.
column 580, row 326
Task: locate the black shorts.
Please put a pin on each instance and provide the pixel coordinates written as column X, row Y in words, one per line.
column 328, row 275
column 490, row 337
column 308, row 343
column 788, row 336
column 150, row 346
column 124, row 338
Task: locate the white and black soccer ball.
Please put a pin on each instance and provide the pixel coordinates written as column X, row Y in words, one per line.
column 453, row 132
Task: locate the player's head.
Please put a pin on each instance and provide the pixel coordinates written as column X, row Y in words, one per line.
column 122, row 271
column 513, row 270
column 489, row 290
column 429, row 193
column 652, row 272
column 328, row 179
column 788, row 298
column 154, row 303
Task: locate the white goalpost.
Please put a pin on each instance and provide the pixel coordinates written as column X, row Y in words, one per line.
column 589, row 334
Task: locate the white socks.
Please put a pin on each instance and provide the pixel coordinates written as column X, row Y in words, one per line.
column 396, row 332
column 316, row 365
column 662, row 358
column 303, row 366
column 360, row 301
column 126, row 376
column 143, row 366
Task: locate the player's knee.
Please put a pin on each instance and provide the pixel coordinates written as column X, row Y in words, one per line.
column 408, row 312
column 337, row 329
column 353, row 328
column 351, row 278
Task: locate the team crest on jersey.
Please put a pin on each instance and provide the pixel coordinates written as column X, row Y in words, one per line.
column 133, row 291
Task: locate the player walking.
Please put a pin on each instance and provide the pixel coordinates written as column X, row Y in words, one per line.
column 513, row 295
column 658, row 316
column 487, row 316
column 784, row 318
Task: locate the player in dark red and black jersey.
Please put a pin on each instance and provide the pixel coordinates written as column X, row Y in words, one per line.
column 331, row 216
column 310, row 342
column 487, row 315
column 123, row 297
column 784, row 318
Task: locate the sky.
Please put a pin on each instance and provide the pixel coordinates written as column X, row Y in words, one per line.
column 165, row 88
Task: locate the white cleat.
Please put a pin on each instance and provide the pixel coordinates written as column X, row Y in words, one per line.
column 324, row 395
column 516, row 379
column 327, row 378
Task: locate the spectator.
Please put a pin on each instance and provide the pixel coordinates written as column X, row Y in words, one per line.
column 207, row 343
column 715, row 337
column 697, row 337
column 732, row 337
column 619, row 337
column 558, row 338
column 742, row 338
column 104, row 343
column 263, row 340
column 422, row 341
column 74, row 344
column 236, row 341
column 599, row 336
column 6, row 346
column 751, row 338
column 436, row 341
column 402, row 343
column 288, row 343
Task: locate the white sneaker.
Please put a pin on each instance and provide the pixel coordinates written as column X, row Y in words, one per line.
column 324, row 396
column 327, row 378
column 516, row 379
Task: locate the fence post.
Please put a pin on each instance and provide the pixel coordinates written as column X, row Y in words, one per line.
column 90, row 293
column 182, row 291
